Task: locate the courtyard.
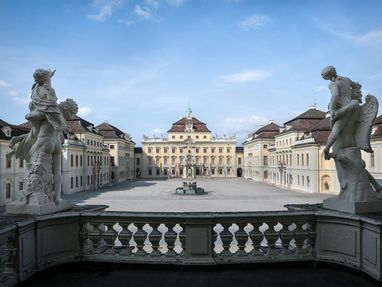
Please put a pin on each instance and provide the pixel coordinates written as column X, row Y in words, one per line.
column 223, row 195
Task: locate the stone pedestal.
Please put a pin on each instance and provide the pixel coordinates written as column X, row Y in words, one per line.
column 354, row 207
column 51, row 207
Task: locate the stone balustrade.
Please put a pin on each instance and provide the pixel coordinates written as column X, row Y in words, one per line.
column 29, row 244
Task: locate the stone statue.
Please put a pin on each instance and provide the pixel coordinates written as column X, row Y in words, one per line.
column 351, row 125
column 41, row 147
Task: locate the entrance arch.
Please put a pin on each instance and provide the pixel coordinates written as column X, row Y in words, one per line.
column 239, row 172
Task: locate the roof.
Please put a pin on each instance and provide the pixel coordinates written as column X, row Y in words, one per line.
column 180, row 125
column 78, row 125
column 138, row 150
column 15, row 130
column 378, row 120
column 110, row 132
column 310, row 114
column 320, row 131
column 267, row 131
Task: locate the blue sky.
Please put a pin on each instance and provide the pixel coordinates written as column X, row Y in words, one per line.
column 137, row 64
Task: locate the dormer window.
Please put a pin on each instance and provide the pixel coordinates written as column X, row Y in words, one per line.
column 7, row 131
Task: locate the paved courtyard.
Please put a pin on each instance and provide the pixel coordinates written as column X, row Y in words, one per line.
column 236, row 194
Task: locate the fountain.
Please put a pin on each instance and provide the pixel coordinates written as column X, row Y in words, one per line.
column 189, row 187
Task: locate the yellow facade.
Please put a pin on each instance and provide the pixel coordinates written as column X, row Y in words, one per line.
column 189, row 142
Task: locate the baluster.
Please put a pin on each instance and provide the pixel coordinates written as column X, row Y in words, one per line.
column 125, row 236
column 140, row 237
column 182, row 240
column 264, row 244
column 170, row 237
column 300, row 236
column 257, row 237
column 293, row 248
column 86, row 242
column 272, row 237
column 155, row 237
column 279, row 244
column 110, row 235
column 242, row 237
column 308, row 245
column 101, row 244
column 226, row 238
column 286, row 236
column 216, row 239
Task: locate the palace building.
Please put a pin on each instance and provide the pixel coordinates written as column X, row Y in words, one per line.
column 189, row 145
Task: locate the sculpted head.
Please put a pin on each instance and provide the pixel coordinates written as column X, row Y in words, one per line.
column 328, row 72
column 41, row 76
column 68, row 108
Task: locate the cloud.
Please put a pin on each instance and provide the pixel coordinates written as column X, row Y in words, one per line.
column 22, row 101
column 376, row 76
column 255, row 22
column 104, row 9
column 158, row 132
column 242, row 124
column 175, row 3
column 126, row 22
column 320, row 89
column 246, row 76
column 4, row 83
column 84, row 111
column 142, row 12
column 152, row 3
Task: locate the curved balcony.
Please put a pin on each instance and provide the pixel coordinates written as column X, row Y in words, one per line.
column 29, row 244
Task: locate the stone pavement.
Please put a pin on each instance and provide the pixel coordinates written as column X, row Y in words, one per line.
column 224, row 195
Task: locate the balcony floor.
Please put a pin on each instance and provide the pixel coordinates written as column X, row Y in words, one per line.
column 105, row 275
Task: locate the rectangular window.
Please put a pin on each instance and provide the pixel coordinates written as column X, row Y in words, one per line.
column 181, row 150
column 212, row 149
column 302, row 180
column 21, row 163
column 298, row 180
column 228, row 160
column 138, row 161
column 71, row 160
column 21, row 185
column 76, row 159
column 212, row 160
column 228, row 171
column 307, row 159
column 228, row 150
column 212, row 171
column 88, row 179
column 71, row 182
column 265, row 159
column 196, row 150
column 157, row 150
column 88, row 161
column 80, row 160
column 150, row 160
column 372, row 160
column 181, row 137
column 205, row 150
column 220, row 150
column 220, row 160
column 158, row 171
column 81, row 180
column 8, row 190
column 149, row 150
column 76, row 181
column 197, row 137
column 173, row 137
column 239, row 161
column 307, row 181
column 298, row 159
column 150, row 172
column 165, row 149
column 302, row 159
column 173, row 150
column 111, row 146
column 165, row 160
column 173, row 160
column 265, row 146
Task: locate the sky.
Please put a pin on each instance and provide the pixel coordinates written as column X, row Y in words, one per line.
column 138, row 64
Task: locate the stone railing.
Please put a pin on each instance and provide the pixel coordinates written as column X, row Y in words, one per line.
column 31, row 244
